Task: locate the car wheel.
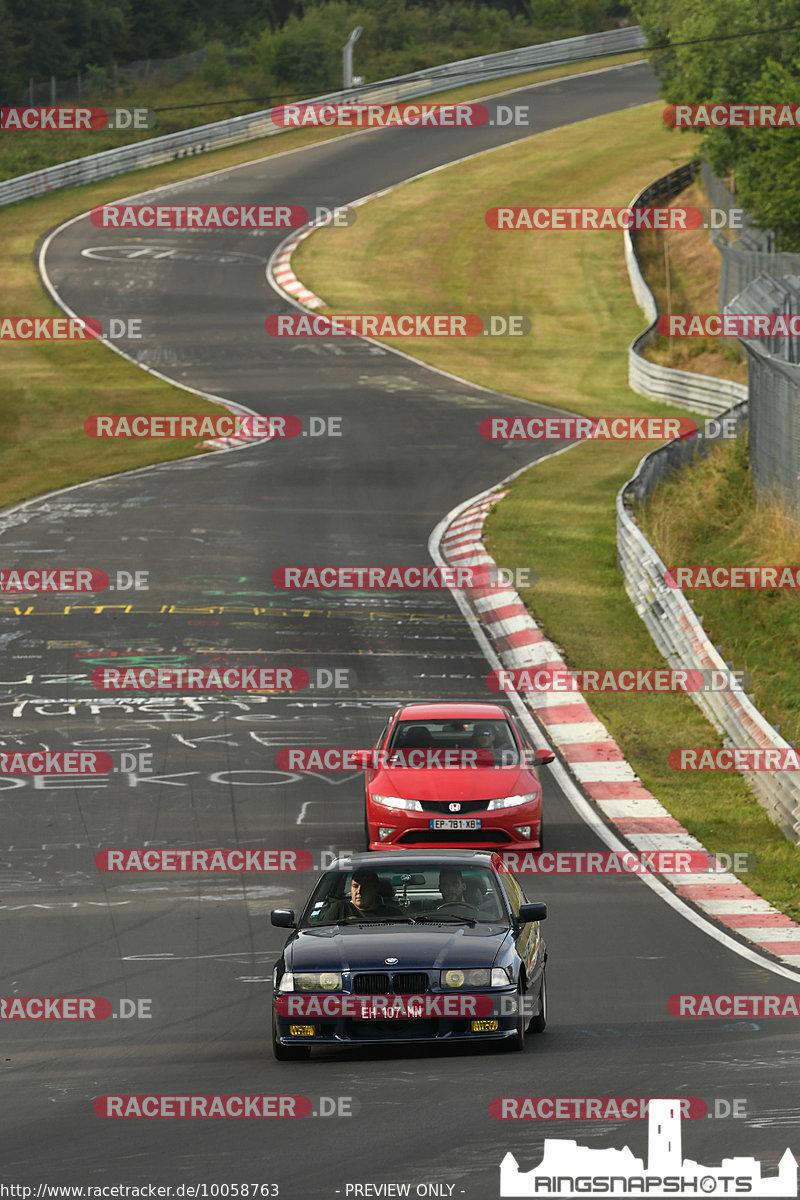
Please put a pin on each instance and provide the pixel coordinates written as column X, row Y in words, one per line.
column 517, row 1042
column 539, row 1022
column 287, row 1053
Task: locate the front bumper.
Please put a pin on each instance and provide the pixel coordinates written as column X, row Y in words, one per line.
column 351, row 1030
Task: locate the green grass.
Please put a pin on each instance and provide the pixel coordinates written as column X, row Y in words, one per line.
column 560, row 515
column 48, row 389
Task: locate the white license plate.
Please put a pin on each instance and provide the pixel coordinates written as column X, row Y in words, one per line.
column 455, row 823
column 387, row 1014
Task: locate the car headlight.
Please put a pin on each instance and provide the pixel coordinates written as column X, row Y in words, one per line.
column 397, row 802
column 311, row 981
column 512, row 801
column 481, row 977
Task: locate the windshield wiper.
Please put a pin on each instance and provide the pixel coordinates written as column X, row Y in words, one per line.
column 445, row 919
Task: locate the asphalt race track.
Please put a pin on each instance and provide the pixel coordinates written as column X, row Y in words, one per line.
column 200, row 948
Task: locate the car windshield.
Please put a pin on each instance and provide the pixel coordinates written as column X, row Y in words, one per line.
column 493, row 736
column 418, row 891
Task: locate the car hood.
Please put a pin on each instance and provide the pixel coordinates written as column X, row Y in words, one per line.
column 488, row 783
column 366, row 947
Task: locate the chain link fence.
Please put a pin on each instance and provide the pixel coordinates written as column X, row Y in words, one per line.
column 102, row 81
column 749, row 253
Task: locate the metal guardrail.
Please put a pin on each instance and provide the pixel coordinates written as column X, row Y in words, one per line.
column 673, row 625
column 679, row 635
column 235, row 130
column 703, row 394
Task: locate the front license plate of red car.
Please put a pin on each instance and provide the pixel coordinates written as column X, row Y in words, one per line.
column 455, row 823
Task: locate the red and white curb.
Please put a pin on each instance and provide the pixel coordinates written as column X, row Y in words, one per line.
column 281, row 272
column 595, row 760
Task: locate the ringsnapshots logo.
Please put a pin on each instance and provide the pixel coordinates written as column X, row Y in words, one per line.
column 554, row 678
column 570, row 1170
column 73, row 120
column 411, row 325
column 635, row 218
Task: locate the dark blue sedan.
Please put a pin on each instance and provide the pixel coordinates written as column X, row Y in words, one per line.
column 410, row 946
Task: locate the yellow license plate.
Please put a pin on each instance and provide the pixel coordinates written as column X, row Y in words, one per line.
column 485, row 1026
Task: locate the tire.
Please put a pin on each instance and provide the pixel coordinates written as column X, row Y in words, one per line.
column 287, row 1053
column 517, row 1042
column 539, row 1023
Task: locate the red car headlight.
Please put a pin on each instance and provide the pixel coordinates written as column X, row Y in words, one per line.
column 513, row 801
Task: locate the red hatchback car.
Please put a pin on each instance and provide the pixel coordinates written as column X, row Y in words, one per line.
column 453, row 774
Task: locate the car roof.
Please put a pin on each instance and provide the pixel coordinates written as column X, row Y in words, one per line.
column 398, row 858
column 447, row 710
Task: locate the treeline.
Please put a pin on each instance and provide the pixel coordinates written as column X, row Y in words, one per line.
column 285, row 41
column 712, row 66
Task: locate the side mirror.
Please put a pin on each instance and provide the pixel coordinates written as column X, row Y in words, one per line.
column 362, row 759
column 283, row 918
column 532, row 912
column 543, row 756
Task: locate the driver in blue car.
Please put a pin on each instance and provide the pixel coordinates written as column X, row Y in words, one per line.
column 365, row 900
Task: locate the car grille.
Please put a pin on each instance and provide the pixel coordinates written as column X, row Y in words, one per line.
column 423, row 1028
column 486, row 837
column 443, row 807
column 380, row 983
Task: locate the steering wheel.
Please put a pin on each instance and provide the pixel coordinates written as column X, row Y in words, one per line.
column 458, row 908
